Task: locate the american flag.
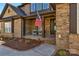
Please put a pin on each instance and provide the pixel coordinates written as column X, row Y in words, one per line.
column 38, row 21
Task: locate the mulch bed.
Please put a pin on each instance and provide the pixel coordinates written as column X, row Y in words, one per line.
column 22, row 44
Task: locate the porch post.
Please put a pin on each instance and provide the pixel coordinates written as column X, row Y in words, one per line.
column 12, row 28
column 22, row 27
column 43, row 27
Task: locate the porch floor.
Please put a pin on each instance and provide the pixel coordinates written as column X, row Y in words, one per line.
column 39, row 37
column 32, row 37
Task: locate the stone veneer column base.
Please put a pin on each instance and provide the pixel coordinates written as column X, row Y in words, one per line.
column 74, row 43
column 62, row 25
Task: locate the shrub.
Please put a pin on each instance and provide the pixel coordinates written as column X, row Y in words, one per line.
column 62, row 52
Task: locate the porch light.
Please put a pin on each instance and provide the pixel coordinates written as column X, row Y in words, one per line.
column 59, row 35
column 1, row 38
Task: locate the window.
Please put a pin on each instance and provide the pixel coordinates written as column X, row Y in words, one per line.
column 38, row 6
column 8, row 27
column 45, row 5
column 32, row 7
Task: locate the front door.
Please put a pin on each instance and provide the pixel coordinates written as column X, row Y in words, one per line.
column 50, row 27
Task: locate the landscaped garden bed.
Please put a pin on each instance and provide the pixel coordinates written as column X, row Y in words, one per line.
column 51, row 42
column 62, row 52
column 22, row 44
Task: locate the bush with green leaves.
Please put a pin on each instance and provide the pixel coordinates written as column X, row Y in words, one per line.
column 62, row 52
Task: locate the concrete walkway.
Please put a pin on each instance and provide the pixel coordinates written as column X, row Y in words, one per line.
column 42, row 50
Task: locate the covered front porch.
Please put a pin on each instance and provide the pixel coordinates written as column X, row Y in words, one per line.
column 46, row 31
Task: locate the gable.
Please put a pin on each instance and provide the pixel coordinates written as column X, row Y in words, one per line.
column 9, row 12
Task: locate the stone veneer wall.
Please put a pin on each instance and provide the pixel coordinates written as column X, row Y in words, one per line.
column 62, row 24
column 64, row 39
column 74, row 43
column 17, row 28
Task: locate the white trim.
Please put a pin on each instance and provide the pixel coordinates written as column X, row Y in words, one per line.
column 78, row 18
column 8, row 27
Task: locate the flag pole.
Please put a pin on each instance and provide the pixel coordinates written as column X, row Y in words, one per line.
column 37, row 27
column 37, row 30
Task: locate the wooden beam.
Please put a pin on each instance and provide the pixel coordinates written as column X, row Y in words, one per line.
column 43, row 27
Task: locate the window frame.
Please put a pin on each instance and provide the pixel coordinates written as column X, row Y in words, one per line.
column 10, row 25
column 41, row 6
column 36, row 7
column 45, row 8
column 31, row 6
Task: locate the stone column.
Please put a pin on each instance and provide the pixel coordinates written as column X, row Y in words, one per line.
column 17, row 28
column 62, row 25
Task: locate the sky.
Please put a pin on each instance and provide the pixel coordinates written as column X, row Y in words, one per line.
column 3, row 4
